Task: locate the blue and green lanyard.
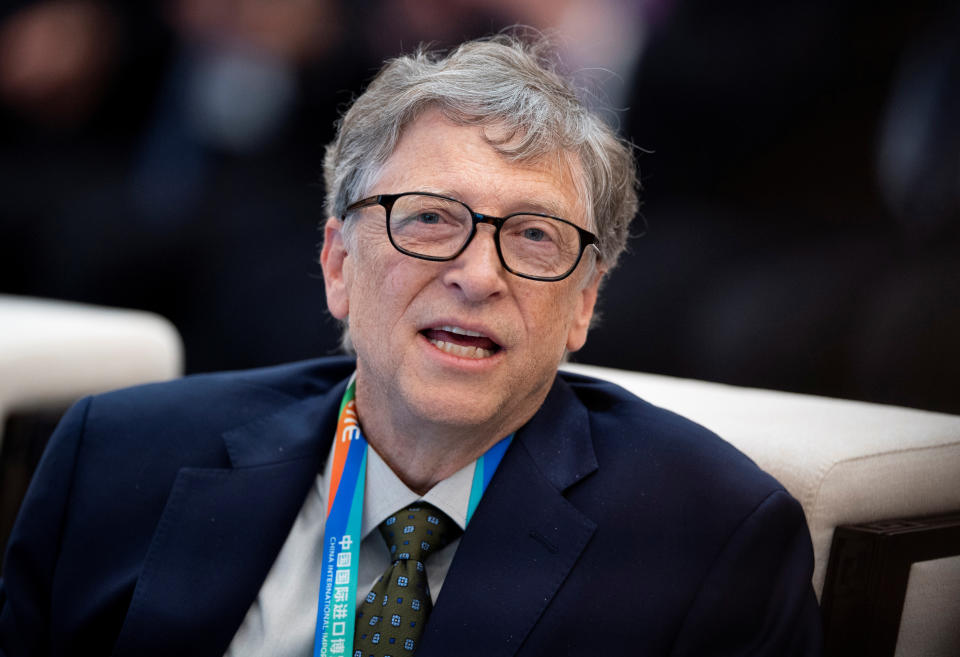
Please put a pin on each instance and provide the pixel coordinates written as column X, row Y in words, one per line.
column 336, row 609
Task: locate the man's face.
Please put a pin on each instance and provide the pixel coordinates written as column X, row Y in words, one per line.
column 410, row 319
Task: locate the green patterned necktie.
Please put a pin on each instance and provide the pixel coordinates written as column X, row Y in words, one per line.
column 391, row 618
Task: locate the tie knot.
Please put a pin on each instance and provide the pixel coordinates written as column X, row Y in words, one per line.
column 416, row 532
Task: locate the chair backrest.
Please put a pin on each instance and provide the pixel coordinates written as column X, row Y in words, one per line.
column 848, row 463
column 51, row 354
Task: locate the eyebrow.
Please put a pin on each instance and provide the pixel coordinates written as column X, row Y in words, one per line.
column 538, row 207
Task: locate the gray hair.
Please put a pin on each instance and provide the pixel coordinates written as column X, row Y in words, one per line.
column 500, row 82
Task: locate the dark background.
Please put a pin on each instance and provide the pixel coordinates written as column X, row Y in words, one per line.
column 801, row 174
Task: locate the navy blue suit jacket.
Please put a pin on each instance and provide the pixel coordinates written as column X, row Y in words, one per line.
column 610, row 526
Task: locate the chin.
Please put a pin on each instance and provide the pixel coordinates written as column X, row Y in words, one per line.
column 462, row 405
column 464, row 413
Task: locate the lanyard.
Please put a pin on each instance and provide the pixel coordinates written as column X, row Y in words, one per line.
column 336, row 609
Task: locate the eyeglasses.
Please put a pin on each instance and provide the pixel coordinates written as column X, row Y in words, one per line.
column 434, row 227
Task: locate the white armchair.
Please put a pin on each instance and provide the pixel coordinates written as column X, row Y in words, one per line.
column 51, row 354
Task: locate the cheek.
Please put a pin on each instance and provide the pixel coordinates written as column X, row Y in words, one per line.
column 548, row 318
column 361, row 276
column 384, row 286
column 575, row 314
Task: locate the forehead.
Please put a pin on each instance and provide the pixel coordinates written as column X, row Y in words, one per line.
column 437, row 155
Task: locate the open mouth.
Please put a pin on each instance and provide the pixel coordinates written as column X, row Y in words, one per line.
column 461, row 342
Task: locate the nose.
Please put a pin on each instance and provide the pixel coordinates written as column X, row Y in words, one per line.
column 477, row 272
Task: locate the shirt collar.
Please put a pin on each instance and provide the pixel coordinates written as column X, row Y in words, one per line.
column 384, row 493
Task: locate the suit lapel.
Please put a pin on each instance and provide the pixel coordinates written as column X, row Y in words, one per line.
column 221, row 531
column 523, row 540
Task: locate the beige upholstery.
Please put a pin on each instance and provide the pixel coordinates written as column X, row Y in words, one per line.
column 53, row 352
column 934, row 583
column 846, row 462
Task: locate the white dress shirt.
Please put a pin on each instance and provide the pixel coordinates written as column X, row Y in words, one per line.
column 282, row 619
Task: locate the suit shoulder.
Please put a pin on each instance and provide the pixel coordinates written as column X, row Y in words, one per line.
column 626, row 427
column 221, row 399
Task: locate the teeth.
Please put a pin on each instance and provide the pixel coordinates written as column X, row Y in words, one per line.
column 460, row 331
column 460, row 350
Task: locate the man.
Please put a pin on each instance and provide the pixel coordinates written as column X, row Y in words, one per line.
column 475, row 207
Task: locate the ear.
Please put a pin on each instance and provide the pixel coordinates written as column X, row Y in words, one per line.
column 583, row 313
column 332, row 259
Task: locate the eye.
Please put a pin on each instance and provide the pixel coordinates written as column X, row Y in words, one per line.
column 534, row 234
column 427, row 218
column 422, row 218
column 531, row 230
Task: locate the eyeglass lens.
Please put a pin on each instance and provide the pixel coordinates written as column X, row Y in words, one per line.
column 439, row 228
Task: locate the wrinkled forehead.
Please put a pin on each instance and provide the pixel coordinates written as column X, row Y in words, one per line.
column 515, row 145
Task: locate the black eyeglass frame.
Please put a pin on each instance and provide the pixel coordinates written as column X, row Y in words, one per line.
column 387, row 200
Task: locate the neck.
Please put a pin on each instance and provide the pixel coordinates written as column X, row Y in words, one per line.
column 419, row 468
column 424, row 459
column 422, row 452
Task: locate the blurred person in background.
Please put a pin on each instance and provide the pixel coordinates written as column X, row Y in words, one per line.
column 800, row 185
column 173, row 164
column 803, row 196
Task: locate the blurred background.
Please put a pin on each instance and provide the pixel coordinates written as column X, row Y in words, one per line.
column 800, row 162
